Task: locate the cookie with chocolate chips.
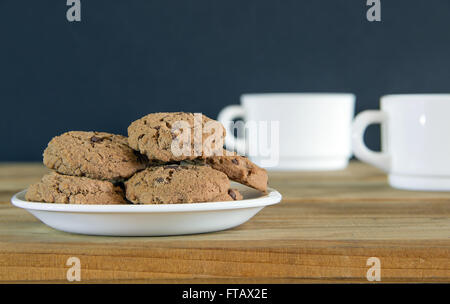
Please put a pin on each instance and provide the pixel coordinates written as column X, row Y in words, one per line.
column 240, row 169
column 96, row 155
column 178, row 184
column 170, row 137
column 65, row 189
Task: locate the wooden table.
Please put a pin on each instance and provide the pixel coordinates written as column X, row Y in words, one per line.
column 325, row 229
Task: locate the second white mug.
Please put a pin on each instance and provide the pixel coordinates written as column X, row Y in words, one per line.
column 415, row 149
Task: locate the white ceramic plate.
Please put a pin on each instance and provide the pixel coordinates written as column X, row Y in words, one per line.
column 150, row 220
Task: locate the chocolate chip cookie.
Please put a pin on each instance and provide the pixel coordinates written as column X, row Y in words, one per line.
column 240, row 169
column 176, row 136
column 96, row 155
column 65, row 189
column 177, row 184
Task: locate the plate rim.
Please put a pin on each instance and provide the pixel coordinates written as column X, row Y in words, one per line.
column 271, row 198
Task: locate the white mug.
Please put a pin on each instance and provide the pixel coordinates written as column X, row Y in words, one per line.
column 414, row 135
column 314, row 129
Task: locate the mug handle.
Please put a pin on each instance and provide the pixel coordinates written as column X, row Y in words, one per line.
column 226, row 117
column 380, row 160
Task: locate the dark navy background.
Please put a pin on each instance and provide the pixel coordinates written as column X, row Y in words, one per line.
column 127, row 58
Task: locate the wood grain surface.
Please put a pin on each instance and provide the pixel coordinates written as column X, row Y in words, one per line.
column 325, row 229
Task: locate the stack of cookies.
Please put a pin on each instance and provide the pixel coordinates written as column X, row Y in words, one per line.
column 147, row 167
